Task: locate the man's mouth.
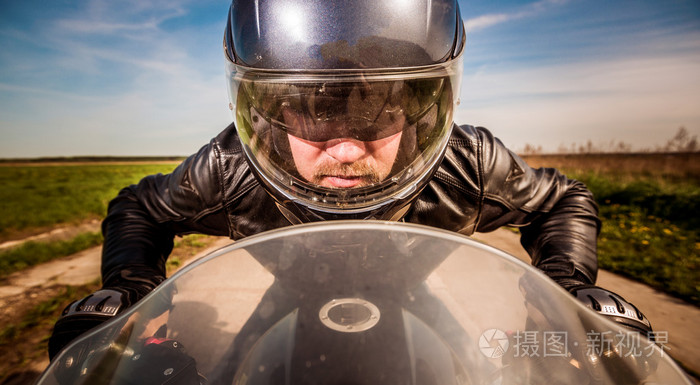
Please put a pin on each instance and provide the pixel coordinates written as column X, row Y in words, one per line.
column 344, row 181
column 345, row 175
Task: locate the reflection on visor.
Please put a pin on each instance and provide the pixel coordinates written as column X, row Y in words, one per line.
column 365, row 111
column 307, row 128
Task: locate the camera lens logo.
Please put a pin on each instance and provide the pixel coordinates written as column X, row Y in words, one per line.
column 493, row 343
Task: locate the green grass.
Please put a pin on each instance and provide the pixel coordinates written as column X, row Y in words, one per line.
column 671, row 198
column 651, row 250
column 44, row 313
column 185, row 247
column 24, row 341
column 43, row 196
column 33, row 253
column 650, row 230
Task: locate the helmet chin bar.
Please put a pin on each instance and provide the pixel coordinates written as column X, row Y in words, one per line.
column 394, row 209
column 297, row 214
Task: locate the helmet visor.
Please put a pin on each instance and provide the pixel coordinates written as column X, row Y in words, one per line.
column 344, row 140
column 361, row 110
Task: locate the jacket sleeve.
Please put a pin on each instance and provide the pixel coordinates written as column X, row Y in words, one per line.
column 557, row 216
column 144, row 218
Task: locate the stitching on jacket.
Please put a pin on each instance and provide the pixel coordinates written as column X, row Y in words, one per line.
column 460, row 142
column 454, row 182
column 206, row 212
column 480, row 164
column 243, row 190
column 502, row 202
column 222, row 189
column 449, row 179
column 233, row 151
column 524, row 208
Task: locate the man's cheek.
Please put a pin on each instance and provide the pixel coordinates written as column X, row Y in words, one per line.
column 305, row 156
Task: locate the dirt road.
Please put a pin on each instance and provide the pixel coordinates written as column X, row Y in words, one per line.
column 668, row 315
column 32, row 285
column 678, row 319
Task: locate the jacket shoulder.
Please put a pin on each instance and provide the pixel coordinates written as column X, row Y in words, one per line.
column 451, row 198
column 200, row 185
column 233, row 175
column 461, row 163
column 227, row 141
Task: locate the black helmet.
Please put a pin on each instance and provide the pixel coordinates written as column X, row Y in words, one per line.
column 373, row 81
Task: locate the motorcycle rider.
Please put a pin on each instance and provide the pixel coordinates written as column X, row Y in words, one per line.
column 342, row 111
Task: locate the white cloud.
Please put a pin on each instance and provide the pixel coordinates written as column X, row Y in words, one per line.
column 159, row 118
column 485, row 21
column 489, row 20
column 163, row 99
column 91, row 26
column 120, row 18
column 15, row 89
column 641, row 101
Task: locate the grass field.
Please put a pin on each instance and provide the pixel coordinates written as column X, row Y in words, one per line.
column 35, row 197
column 32, row 253
column 649, row 205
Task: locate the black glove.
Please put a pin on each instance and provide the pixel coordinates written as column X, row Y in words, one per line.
column 610, row 361
column 618, row 360
column 84, row 314
column 613, row 306
column 120, row 291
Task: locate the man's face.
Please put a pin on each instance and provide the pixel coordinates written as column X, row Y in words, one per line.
column 345, row 162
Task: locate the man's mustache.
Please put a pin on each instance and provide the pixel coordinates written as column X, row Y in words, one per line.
column 361, row 170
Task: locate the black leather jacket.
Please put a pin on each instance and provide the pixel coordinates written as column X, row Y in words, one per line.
column 480, row 186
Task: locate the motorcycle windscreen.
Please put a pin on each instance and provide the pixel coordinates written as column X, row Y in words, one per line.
column 360, row 302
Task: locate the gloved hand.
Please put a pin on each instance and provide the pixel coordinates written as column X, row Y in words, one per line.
column 89, row 312
column 613, row 306
column 618, row 358
column 611, row 358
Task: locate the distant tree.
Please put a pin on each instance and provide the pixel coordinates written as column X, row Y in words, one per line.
column 622, row 147
column 681, row 142
column 532, row 149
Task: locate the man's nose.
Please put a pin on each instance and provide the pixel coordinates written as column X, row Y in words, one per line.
column 346, row 150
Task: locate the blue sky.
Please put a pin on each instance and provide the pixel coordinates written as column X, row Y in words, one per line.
column 134, row 77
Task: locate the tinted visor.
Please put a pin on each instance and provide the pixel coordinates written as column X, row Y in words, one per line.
column 362, row 110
